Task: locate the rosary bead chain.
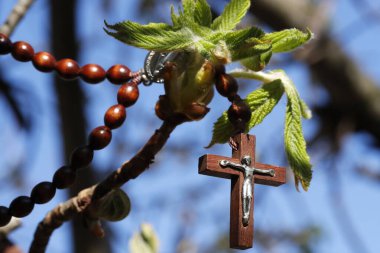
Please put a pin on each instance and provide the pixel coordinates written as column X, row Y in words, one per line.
column 67, row 69
column 81, row 157
column 239, row 112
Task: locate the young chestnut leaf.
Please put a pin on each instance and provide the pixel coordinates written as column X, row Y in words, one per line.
column 287, row 40
column 295, row 144
column 232, row 15
column 261, row 102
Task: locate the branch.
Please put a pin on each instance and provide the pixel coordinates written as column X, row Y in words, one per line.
column 87, row 198
column 55, row 218
column 15, row 17
column 6, row 246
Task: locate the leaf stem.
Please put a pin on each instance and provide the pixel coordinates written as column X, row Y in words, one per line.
column 248, row 74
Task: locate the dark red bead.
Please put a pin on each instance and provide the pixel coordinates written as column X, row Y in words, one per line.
column 22, row 51
column 5, row 216
column 44, row 62
column 5, row 44
column 163, row 108
column 21, row 206
column 226, row 85
column 128, row 94
column 119, row 74
column 115, row 116
column 64, row 177
column 220, row 69
column 81, row 157
column 67, row 69
column 100, row 137
column 239, row 112
column 92, row 73
column 43, row 193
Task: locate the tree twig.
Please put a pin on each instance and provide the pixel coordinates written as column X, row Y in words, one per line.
column 18, row 12
column 88, row 197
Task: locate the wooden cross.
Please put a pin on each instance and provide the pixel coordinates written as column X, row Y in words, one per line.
column 241, row 228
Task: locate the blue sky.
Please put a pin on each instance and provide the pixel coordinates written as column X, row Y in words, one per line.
column 159, row 196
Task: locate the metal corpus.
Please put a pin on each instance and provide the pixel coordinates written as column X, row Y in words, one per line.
column 155, row 63
column 247, row 193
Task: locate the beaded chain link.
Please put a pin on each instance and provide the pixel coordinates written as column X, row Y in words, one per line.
column 100, row 137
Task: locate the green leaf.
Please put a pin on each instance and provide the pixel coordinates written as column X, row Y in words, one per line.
column 232, row 15
column 287, row 40
column 188, row 8
column 175, row 18
column 305, row 110
column 145, row 241
column 259, row 60
column 115, row 206
column 295, row 144
column 222, row 131
column 153, row 36
column 202, row 13
column 237, row 39
column 249, row 53
column 261, row 102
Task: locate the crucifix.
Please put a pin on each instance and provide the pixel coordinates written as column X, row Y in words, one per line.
column 243, row 172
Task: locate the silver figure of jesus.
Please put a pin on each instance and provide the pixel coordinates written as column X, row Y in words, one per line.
column 247, row 192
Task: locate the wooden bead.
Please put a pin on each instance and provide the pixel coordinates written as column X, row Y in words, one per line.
column 5, row 44
column 44, row 62
column 115, row 116
column 81, row 157
column 5, row 216
column 21, row 206
column 100, row 137
column 67, row 69
column 226, row 85
column 128, row 94
column 92, row 73
column 220, row 69
column 43, row 193
column 163, row 108
column 22, row 51
column 239, row 112
column 64, row 177
column 119, row 74
column 196, row 111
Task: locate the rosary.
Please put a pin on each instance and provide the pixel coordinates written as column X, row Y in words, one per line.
column 241, row 168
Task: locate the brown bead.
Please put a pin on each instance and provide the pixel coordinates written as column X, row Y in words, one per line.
column 92, row 73
column 100, row 137
column 220, row 69
column 115, row 116
column 226, row 85
column 67, row 69
column 44, row 62
column 21, row 206
column 81, row 157
column 239, row 113
column 22, row 51
column 196, row 111
column 128, row 94
column 43, row 193
column 5, row 216
column 64, row 177
column 163, row 108
column 5, row 44
column 118, row 74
